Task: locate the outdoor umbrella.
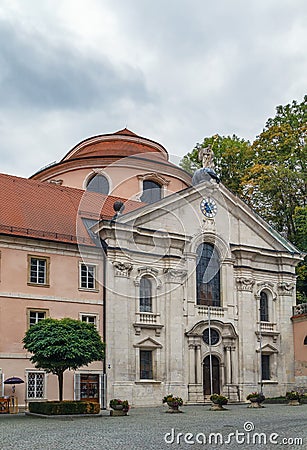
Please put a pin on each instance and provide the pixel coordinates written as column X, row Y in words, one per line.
column 13, row 381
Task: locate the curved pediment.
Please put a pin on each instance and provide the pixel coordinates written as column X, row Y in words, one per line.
column 227, row 330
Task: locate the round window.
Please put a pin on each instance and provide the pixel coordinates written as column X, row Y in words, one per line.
column 214, row 335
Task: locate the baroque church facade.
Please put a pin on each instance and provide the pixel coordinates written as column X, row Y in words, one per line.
column 191, row 291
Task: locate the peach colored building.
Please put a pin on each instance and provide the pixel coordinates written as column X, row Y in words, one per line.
column 116, row 235
column 51, row 265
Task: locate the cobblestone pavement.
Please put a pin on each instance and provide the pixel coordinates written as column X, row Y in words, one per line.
column 152, row 428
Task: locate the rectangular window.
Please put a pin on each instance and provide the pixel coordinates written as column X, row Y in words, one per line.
column 146, row 372
column 36, row 385
column 87, row 276
column 89, row 318
column 145, row 294
column 34, row 316
column 38, row 270
column 264, row 307
column 265, row 367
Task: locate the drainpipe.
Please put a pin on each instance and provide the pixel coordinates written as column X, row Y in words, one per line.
column 104, row 298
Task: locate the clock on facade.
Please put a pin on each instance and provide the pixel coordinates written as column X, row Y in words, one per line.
column 214, row 335
column 208, row 207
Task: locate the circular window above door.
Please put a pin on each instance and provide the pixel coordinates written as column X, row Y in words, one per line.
column 214, row 334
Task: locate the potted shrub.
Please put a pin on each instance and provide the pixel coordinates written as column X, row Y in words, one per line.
column 119, row 407
column 173, row 403
column 218, row 402
column 293, row 398
column 255, row 398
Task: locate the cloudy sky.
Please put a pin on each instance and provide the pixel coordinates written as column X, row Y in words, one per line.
column 174, row 71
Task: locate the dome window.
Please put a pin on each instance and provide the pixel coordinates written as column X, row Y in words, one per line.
column 98, row 183
column 152, row 191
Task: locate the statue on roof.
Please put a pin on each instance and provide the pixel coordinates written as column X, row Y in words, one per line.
column 206, row 156
column 207, row 172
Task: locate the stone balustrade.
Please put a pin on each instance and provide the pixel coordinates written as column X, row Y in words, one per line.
column 268, row 326
column 215, row 311
column 147, row 317
column 300, row 309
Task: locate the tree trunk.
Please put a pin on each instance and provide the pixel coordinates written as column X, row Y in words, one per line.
column 60, row 380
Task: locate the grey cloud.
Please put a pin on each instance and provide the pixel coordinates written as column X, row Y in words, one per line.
column 39, row 74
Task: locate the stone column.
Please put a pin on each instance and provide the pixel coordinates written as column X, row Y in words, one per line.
column 198, row 365
column 228, row 365
column 192, row 364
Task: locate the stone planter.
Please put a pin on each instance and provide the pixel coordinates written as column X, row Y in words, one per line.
column 118, row 407
column 255, row 404
column 217, row 407
column 173, row 408
column 293, row 403
column 118, row 412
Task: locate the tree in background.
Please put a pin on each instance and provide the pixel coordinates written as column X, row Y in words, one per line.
column 277, row 181
column 58, row 345
column 232, row 157
column 270, row 175
column 300, row 220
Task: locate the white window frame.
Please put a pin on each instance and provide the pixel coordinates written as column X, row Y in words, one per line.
column 87, row 288
column 77, row 379
column 36, row 310
column 46, row 260
column 92, row 315
column 148, row 345
column 30, row 371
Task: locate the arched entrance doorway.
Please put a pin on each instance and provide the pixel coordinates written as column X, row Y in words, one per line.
column 215, row 375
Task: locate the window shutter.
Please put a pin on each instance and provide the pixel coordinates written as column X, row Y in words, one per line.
column 77, row 386
column 101, row 390
column 1, row 384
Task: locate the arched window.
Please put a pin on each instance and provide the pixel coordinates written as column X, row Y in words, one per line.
column 208, row 275
column 152, row 191
column 145, row 294
column 264, row 307
column 98, row 183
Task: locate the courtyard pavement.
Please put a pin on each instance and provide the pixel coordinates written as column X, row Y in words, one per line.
column 272, row 427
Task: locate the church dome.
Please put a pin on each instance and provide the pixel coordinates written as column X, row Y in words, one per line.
column 122, row 143
column 119, row 163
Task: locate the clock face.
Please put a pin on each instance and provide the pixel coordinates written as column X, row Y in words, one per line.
column 208, row 207
column 214, row 335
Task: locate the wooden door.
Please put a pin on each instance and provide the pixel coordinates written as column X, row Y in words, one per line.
column 215, row 375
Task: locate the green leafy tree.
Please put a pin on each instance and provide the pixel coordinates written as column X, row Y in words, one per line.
column 300, row 220
column 277, row 182
column 232, row 157
column 58, row 345
column 270, row 175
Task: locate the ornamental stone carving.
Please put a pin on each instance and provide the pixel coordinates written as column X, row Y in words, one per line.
column 286, row 288
column 148, row 271
column 208, row 225
column 175, row 275
column 122, row 269
column 269, row 287
column 265, row 285
column 245, row 284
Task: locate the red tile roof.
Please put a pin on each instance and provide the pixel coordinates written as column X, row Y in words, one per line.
column 126, row 131
column 47, row 211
